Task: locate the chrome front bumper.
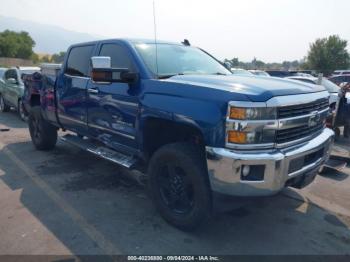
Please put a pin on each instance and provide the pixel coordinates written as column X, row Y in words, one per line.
column 224, row 167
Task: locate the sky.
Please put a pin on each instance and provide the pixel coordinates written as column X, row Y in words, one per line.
column 270, row 30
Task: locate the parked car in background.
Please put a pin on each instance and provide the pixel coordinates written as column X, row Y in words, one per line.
column 332, row 88
column 240, row 71
column 12, row 89
column 279, row 73
column 341, row 72
column 334, row 99
column 259, row 73
column 50, row 68
column 286, row 73
column 302, row 74
column 340, row 79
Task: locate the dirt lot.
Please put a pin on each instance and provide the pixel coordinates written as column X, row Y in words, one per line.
column 69, row 202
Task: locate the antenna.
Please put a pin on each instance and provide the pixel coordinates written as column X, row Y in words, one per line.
column 155, row 34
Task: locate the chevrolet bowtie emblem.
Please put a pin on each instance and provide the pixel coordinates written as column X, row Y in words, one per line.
column 314, row 119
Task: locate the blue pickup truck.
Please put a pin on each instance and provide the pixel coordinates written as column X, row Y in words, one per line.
column 176, row 114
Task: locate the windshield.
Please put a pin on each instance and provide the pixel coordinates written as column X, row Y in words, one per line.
column 331, row 87
column 176, row 59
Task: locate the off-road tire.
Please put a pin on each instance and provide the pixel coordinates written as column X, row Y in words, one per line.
column 43, row 134
column 187, row 158
column 3, row 106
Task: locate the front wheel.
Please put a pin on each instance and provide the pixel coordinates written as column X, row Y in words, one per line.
column 179, row 185
column 43, row 134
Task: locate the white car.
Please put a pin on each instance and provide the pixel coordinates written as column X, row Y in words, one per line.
column 341, row 72
column 259, row 73
column 332, row 88
column 240, row 71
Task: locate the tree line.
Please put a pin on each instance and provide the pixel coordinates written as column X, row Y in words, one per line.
column 325, row 54
column 261, row 65
column 16, row 45
column 21, row 44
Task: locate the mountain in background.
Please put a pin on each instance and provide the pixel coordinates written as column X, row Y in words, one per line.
column 49, row 39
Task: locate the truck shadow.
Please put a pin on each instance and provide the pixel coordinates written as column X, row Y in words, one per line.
column 120, row 211
column 335, row 175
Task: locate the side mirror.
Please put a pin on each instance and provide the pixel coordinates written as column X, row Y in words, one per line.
column 11, row 81
column 101, row 62
column 103, row 72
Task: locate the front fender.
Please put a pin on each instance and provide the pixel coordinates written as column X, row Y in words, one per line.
column 206, row 116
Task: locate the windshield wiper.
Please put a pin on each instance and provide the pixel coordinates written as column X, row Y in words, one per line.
column 168, row 76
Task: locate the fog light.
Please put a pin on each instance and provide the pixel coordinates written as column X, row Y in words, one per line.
column 252, row 173
column 245, row 170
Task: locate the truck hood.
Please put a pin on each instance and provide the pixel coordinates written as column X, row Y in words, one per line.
column 256, row 88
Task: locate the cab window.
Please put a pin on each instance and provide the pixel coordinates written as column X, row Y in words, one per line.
column 118, row 54
column 78, row 63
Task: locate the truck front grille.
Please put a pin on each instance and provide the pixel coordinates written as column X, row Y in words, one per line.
column 303, row 109
column 295, row 133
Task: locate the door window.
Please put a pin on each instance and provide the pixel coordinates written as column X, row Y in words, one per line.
column 118, row 54
column 78, row 63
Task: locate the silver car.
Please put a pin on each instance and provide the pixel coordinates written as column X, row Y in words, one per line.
column 332, row 88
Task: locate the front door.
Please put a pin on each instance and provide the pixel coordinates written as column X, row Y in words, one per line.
column 71, row 89
column 113, row 107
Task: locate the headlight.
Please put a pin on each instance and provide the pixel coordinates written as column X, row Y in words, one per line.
column 258, row 113
column 250, row 123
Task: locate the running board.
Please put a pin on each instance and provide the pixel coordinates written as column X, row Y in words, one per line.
column 99, row 150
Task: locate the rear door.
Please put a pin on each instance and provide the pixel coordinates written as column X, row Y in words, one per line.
column 113, row 106
column 71, row 89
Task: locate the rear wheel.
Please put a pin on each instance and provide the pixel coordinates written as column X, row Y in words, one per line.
column 21, row 112
column 43, row 134
column 179, row 185
column 3, row 106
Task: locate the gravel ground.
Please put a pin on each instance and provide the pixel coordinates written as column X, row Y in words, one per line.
column 68, row 202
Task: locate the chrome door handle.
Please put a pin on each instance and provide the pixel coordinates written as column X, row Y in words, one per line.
column 93, row 90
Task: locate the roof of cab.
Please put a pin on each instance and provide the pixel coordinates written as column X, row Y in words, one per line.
column 128, row 40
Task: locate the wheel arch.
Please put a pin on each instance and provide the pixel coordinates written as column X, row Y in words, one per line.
column 160, row 131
